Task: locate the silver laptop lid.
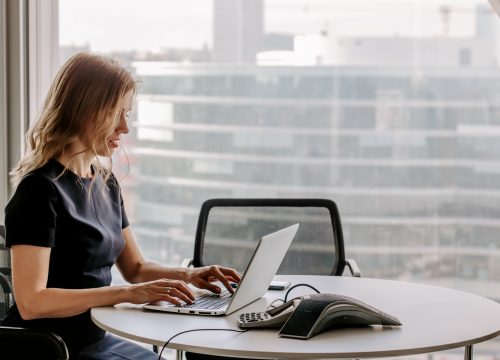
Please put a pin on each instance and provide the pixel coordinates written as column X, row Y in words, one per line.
column 264, row 264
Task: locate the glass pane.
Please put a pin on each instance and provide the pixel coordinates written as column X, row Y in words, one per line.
column 391, row 108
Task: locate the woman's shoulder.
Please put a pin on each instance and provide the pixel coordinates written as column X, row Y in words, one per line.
column 45, row 174
column 36, row 187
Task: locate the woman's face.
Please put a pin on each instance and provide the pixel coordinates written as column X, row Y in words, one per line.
column 120, row 126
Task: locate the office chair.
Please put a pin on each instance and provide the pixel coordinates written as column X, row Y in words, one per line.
column 18, row 342
column 5, row 275
column 229, row 229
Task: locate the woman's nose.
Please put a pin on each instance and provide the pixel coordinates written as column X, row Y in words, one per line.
column 123, row 125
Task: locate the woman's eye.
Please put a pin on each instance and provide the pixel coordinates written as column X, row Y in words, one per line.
column 126, row 114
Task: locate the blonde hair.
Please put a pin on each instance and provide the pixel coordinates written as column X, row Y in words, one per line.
column 86, row 90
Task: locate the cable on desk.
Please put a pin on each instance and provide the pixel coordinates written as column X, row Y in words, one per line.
column 192, row 330
column 286, row 295
column 235, row 330
column 298, row 285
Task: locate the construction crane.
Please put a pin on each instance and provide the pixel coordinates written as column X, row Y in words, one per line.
column 447, row 10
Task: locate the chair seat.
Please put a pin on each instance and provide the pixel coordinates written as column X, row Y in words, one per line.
column 31, row 343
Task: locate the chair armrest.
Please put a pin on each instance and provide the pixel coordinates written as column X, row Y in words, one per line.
column 187, row 263
column 32, row 343
column 5, row 284
column 353, row 267
column 6, row 289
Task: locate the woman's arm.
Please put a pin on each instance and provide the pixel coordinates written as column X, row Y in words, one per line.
column 135, row 268
column 30, row 268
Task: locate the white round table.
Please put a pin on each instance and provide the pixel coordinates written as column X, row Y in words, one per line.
column 434, row 319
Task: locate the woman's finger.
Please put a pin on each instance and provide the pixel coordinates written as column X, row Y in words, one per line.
column 230, row 273
column 222, row 278
column 182, row 287
column 173, row 292
column 209, row 286
column 179, row 285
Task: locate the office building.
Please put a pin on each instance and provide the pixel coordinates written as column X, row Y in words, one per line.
column 395, row 147
column 237, row 30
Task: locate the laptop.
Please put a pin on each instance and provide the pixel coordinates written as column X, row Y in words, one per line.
column 254, row 283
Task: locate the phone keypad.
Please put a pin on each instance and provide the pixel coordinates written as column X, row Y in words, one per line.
column 254, row 316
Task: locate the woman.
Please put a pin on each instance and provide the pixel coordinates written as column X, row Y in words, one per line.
column 66, row 224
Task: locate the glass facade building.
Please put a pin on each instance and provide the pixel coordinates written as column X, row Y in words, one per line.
column 412, row 158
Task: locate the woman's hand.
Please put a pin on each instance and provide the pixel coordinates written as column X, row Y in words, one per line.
column 204, row 277
column 173, row 291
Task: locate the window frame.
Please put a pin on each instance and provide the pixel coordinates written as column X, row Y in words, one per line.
column 29, row 48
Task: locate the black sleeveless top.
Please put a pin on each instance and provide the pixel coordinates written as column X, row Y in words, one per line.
column 84, row 232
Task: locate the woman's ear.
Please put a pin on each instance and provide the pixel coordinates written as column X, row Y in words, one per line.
column 495, row 4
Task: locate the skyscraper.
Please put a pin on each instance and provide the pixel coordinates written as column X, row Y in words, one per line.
column 238, row 30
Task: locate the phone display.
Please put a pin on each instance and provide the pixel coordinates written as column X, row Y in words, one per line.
column 279, row 285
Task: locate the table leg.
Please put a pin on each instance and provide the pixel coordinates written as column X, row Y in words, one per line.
column 178, row 354
column 468, row 353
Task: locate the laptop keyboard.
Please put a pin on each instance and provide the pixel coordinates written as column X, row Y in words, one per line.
column 210, row 301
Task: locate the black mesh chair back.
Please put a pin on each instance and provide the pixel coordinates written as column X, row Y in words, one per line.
column 229, row 229
column 6, row 298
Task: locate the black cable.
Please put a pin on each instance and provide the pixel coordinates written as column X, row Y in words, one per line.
column 270, row 306
column 286, row 295
column 297, row 285
column 235, row 330
column 192, row 330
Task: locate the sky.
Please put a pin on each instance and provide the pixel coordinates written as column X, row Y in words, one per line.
column 156, row 24
column 134, row 24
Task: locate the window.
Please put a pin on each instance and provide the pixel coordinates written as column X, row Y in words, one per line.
column 390, row 108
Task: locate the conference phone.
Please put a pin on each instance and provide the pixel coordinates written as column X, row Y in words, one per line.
column 273, row 318
column 309, row 315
